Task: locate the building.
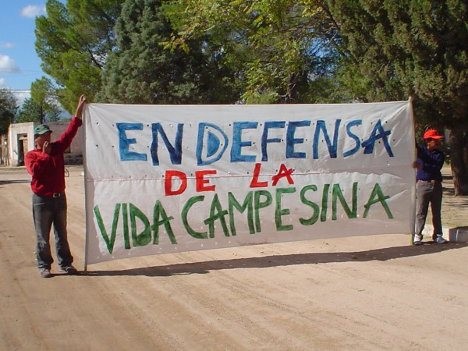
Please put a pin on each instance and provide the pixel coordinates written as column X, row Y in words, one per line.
column 3, row 150
column 21, row 139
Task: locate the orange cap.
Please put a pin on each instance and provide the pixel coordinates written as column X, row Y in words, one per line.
column 432, row 134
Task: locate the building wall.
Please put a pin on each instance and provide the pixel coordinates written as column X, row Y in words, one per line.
column 76, row 147
column 4, row 159
column 15, row 130
column 73, row 155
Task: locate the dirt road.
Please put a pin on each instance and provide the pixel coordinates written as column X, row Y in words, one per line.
column 360, row 293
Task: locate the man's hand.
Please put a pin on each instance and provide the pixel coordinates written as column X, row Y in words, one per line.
column 79, row 108
column 46, row 148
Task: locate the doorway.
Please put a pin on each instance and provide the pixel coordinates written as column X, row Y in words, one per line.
column 22, row 147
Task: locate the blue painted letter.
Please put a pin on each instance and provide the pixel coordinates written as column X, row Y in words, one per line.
column 175, row 152
column 266, row 140
column 332, row 146
column 211, row 143
column 291, row 140
column 377, row 133
column 124, row 142
column 356, row 122
column 238, row 144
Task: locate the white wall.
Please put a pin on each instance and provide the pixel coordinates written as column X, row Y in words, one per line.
column 13, row 131
column 57, row 128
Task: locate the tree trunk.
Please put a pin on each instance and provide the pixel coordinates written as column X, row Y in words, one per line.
column 41, row 114
column 458, row 141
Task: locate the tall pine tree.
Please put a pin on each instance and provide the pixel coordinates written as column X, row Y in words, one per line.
column 73, row 41
column 279, row 49
column 143, row 70
column 418, row 48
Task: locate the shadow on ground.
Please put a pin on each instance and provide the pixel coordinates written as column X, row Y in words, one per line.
column 6, row 182
column 383, row 254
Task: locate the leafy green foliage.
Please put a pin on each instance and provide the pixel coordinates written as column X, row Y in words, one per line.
column 407, row 48
column 278, row 49
column 8, row 108
column 73, row 42
column 397, row 49
column 42, row 106
column 29, row 112
column 142, row 69
column 43, row 95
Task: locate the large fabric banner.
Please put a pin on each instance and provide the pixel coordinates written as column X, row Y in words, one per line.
column 163, row 179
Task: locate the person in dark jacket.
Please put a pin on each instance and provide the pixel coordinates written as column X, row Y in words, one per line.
column 429, row 186
column 46, row 166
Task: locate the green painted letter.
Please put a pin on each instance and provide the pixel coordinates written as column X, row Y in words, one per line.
column 109, row 241
column 160, row 217
column 323, row 214
column 377, row 196
column 282, row 211
column 314, row 206
column 184, row 214
column 248, row 204
column 144, row 237
column 260, row 204
column 216, row 212
column 338, row 194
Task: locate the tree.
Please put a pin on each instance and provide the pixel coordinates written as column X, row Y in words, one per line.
column 42, row 106
column 397, row 49
column 279, row 49
column 73, row 42
column 43, row 95
column 29, row 112
column 8, row 108
column 142, row 69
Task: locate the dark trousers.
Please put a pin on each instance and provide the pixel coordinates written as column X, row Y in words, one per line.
column 428, row 193
column 48, row 211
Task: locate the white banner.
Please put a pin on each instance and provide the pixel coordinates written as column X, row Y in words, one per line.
column 165, row 179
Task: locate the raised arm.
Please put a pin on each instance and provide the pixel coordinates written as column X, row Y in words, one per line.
column 79, row 108
column 66, row 138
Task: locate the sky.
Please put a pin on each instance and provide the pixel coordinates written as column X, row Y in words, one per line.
column 19, row 63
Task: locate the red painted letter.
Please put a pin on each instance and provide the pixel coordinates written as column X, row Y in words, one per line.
column 168, row 182
column 255, row 183
column 283, row 172
column 201, row 181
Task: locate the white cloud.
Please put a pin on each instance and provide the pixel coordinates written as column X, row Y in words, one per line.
column 7, row 64
column 2, row 83
column 32, row 11
column 6, row 45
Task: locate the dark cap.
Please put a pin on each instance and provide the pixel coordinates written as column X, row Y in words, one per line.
column 432, row 134
column 42, row 129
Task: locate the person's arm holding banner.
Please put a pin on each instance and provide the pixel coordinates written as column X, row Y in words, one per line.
column 79, row 108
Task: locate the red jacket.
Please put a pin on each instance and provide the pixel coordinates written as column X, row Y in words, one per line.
column 48, row 170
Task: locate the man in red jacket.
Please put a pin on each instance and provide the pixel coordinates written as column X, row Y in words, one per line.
column 46, row 165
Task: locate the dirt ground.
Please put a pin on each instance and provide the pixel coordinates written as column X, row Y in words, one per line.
column 360, row 293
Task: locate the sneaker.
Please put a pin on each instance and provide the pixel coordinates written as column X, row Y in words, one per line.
column 45, row 272
column 417, row 240
column 440, row 240
column 69, row 270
